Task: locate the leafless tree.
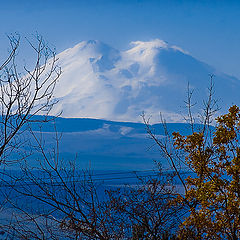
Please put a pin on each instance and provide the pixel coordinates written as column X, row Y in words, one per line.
column 202, row 122
column 24, row 93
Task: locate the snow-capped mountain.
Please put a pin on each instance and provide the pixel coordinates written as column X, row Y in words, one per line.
column 99, row 81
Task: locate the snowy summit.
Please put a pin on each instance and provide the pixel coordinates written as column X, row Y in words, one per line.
column 99, row 81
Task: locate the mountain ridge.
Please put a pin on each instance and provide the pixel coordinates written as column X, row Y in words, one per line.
column 104, row 144
column 99, row 81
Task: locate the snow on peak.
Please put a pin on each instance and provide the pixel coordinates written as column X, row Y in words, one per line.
column 145, row 50
column 156, row 43
column 89, row 48
column 99, row 81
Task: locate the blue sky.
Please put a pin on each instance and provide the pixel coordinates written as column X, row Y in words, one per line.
column 209, row 30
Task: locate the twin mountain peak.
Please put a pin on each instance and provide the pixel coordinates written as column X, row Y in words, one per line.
column 99, row 81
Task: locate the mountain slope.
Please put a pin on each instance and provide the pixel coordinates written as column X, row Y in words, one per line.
column 99, row 81
column 105, row 145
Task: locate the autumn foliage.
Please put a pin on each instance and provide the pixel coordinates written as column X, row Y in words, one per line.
column 213, row 191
